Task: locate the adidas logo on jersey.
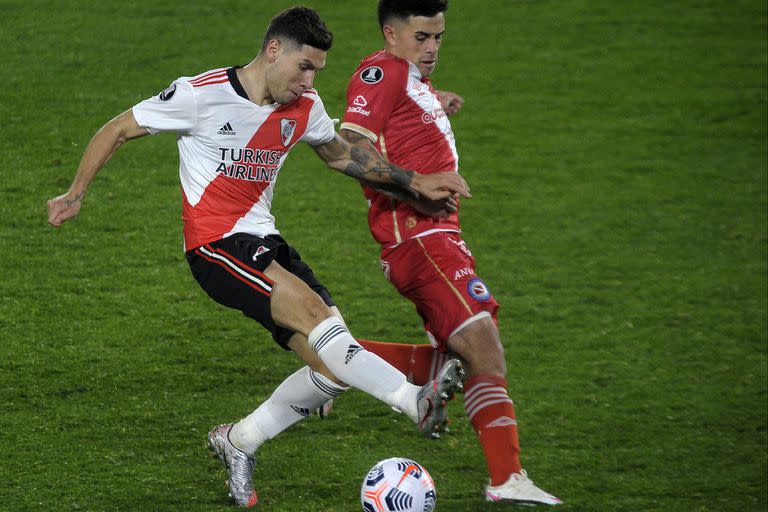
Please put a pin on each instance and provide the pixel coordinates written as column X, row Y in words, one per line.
column 226, row 130
column 352, row 352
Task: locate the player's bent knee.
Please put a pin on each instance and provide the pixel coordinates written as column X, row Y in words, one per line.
column 479, row 345
column 295, row 306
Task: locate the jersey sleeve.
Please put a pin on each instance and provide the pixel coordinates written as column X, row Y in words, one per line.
column 320, row 125
column 173, row 110
column 372, row 95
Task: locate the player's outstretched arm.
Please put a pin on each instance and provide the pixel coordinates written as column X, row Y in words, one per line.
column 431, row 207
column 364, row 164
column 101, row 148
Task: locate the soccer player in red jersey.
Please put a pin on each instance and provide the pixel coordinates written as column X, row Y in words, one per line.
column 234, row 129
column 393, row 108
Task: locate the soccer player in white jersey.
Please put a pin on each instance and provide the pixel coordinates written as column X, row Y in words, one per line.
column 393, row 108
column 235, row 127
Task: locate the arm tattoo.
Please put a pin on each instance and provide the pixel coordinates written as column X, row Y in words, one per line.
column 353, row 169
column 359, row 155
column 362, row 167
column 78, row 199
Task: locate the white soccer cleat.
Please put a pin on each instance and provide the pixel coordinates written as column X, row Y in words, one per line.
column 519, row 490
column 239, row 465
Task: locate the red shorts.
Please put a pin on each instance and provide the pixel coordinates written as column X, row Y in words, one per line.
column 437, row 273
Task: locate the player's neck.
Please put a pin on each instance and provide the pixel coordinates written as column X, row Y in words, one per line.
column 392, row 51
column 252, row 78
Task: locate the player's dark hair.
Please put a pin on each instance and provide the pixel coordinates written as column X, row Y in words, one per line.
column 401, row 9
column 300, row 25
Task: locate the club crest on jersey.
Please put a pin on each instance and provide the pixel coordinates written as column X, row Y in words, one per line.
column 372, row 75
column 167, row 94
column 287, row 128
column 477, row 289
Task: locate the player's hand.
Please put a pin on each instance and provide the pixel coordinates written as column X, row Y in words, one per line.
column 440, row 185
column 64, row 207
column 450, row 101
column 435, row 208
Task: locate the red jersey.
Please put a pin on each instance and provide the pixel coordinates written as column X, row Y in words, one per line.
column 389, row 102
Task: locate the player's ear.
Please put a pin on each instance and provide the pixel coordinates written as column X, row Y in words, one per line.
column 272, row 50
column 389, row 34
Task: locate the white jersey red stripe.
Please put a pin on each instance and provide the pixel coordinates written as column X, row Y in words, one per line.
column 212, row 75
column 230, row 149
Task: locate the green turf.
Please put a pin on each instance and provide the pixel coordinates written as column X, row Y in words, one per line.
column 618, row 159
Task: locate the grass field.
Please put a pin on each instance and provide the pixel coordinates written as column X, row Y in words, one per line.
column 618, row 157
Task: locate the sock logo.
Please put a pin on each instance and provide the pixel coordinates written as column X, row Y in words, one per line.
column 352, row 352
column 301, row 410
column 504, row 421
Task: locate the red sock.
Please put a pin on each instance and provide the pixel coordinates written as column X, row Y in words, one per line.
column 492, row 414
column 419, row 363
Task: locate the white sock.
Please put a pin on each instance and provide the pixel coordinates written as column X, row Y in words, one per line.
column 293, row 400
column 360, row 368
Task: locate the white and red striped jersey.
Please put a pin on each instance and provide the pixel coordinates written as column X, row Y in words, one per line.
column 389, row 102
column 230, row 150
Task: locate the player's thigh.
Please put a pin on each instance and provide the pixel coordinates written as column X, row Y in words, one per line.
column 302, row 270
column 437, row 273
column 294, row 305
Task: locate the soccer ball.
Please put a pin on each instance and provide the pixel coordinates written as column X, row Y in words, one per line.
column 398, row 485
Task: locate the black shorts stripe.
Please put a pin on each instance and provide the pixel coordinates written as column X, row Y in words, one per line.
column 253, row 280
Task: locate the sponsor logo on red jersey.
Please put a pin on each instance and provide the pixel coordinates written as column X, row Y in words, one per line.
column 358, row 105
column 431, row 117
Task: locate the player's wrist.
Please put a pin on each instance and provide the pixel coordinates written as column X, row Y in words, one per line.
column 415, row 181
column 74, row 195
